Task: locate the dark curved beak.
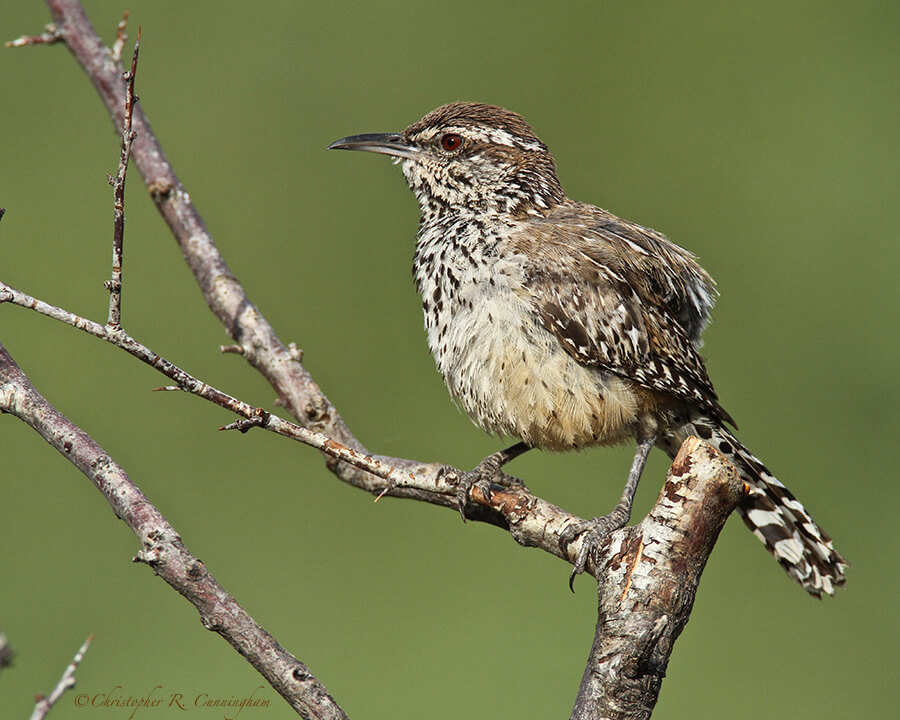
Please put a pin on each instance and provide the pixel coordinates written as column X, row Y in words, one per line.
column 392, row 144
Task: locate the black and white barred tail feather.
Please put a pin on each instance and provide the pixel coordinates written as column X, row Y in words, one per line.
column 775, row 516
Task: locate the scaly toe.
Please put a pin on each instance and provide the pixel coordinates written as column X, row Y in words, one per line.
column 476, row 478
column 593, row 533
column 488, row 472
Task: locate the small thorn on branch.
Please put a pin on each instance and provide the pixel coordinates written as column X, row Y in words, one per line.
column 295, row 352
column 243, row 424
column 50, row 36
column 259, row 418
column 391, row 485
column 236, row 349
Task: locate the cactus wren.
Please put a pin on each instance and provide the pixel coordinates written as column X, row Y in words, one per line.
column 562, row 325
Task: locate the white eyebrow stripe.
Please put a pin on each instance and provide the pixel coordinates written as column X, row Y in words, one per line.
column 497, row 136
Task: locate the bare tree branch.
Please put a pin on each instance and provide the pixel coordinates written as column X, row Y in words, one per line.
column 114, row 285
column 163, row 550
column 66, row 682
column 650, row 576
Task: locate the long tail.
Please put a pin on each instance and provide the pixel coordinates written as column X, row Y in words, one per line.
column 774, row 515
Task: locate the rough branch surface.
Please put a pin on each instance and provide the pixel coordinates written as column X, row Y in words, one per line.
column 649, row 577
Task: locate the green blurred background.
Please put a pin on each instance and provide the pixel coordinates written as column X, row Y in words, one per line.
column 763, row 137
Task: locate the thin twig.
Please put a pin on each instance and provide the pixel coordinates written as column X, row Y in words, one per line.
column 50, row 36
column 115, row 335
column 66, row 682
column 114, row 285
column 121, row 37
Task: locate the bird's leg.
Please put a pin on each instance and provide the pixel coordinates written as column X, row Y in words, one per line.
column 599, row 527
column 486, row 472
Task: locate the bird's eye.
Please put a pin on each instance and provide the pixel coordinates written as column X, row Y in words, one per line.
column 451, row 142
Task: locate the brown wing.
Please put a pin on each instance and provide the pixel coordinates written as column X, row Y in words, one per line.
column 660, row 271
column 608, row 314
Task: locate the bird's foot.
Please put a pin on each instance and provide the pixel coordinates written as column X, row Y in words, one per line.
column 592, row 532
column 488, row 472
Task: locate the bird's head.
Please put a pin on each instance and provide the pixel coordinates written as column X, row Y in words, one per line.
column 470, row 158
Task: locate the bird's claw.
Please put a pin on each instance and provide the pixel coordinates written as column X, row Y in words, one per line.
column 593, row 533
column 484, row 475
column 471, row 479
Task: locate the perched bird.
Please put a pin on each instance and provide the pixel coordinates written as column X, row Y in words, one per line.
column 562, row 325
